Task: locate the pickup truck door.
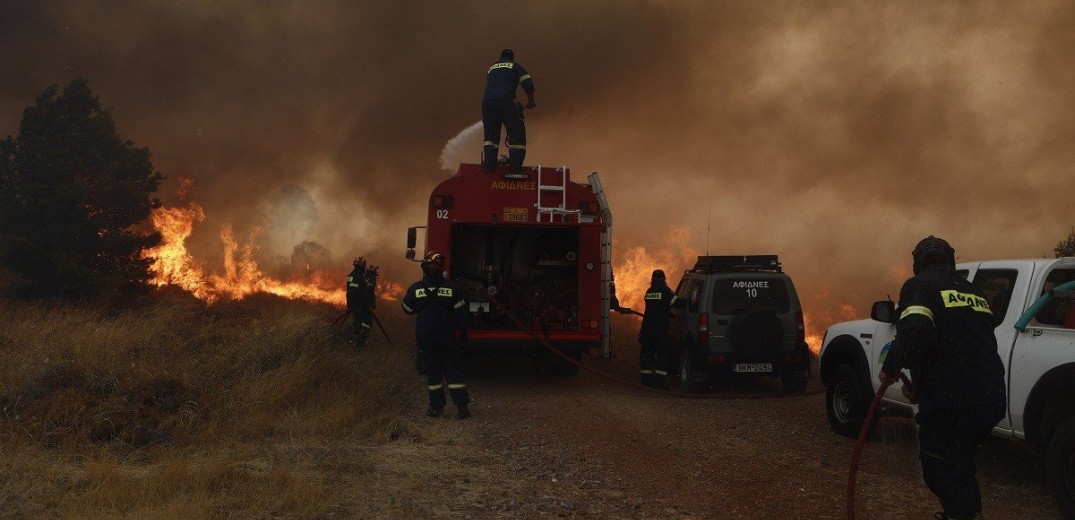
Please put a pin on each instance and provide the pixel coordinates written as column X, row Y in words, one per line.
column 1038, row 349
column 1005, row 285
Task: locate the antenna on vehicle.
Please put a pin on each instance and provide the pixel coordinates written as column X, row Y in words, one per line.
column 708, row 226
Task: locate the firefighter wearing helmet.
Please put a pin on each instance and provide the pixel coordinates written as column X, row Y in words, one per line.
column 441, row 329
column 944, row 335
column 361, row 287
column 653, row 356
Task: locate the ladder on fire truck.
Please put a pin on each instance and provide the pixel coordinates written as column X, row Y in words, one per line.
column 560, row 210
column 606, row 262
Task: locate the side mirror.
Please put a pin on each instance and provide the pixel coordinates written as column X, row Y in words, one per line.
column 884, row 311
column 412, row 239
column 410, row 254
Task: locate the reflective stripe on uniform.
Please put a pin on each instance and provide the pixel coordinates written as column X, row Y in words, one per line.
column 960, row 299
column 524, row 78
column 460, row 304
column 406, row 307
column 917, row 309
column 517, row 147
column 352, row 285
column 419, row 293
column 365, row 325
column 490, row 143
column 653, row 296
column 456, row 386
column 502, row 65
column 436, row 387
column 673, row 300
column 660, row 372
column 644, row 371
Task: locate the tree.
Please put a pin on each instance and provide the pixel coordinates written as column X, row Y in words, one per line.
column 1066, row 247
column 71, row 194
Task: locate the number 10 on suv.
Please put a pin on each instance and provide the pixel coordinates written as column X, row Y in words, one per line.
column 742, row 319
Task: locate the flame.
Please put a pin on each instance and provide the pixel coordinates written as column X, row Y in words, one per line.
column 634, row 272
column 172, row 264
column 389, row 291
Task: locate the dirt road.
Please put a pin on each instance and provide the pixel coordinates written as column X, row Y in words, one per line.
column 585, row 447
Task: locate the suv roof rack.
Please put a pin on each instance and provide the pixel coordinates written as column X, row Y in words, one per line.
column 738, row 263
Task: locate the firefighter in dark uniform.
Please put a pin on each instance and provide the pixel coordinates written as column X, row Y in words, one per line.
column 653, row 357
column 944, row 335
column 360, row 301
column 442, row 311
column 500, row 108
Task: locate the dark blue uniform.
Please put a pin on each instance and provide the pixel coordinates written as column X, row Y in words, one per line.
column 360, row 301
column 653, row 356
column 441, row 311
column 499, row 108
column 945, row 337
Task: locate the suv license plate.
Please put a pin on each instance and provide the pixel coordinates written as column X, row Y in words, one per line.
column 754, row 367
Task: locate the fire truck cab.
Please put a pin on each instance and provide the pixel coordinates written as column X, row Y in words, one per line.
column 535, row 249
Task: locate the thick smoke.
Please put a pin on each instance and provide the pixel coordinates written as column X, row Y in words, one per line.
column 835, row 134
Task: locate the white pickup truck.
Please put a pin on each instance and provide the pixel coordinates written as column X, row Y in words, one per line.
column 1034, row 310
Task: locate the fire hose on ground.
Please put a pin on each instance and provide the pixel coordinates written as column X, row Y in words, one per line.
column 863, row 432
column 339, row 320
column 673, row 393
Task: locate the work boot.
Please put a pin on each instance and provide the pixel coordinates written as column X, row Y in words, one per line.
column 463, row 412
column 434, row 412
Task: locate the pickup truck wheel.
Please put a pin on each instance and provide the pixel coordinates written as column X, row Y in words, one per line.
column 688, row 373
column 845, row 402
column 1060, row 467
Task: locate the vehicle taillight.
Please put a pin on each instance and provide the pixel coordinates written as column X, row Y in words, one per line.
column 800, row 328
column 703, row 327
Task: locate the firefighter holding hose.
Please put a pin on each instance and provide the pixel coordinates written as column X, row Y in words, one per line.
column 361, row 287
column 441, row 312
column 653, row 336
column 944, row 335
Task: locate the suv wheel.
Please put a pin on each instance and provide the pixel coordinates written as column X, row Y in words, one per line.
column 688, row 372
column 845, row 401
column 1060, row 467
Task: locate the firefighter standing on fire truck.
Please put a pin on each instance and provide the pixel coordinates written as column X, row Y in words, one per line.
column 500, row 108
column 361, row 283
column 653, row 356
column 441, row 311
column 944, row 334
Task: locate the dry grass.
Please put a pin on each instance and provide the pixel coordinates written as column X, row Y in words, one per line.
column 253, row 409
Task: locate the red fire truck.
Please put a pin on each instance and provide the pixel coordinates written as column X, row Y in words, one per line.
column 539, row 245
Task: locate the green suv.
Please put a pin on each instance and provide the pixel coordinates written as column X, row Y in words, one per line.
column 743, row 319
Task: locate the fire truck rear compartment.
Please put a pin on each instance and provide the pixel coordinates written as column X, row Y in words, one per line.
column 532, row 270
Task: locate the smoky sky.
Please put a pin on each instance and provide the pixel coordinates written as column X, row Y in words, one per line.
column 835, row 134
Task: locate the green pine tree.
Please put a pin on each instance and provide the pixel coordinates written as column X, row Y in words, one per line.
column 71, row 195
column 1066, row 247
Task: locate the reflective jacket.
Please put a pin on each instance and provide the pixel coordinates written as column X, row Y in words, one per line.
column 356, row 289
column 439, row 304
column 944, row 335
column 659, row 300
column 502, row 79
